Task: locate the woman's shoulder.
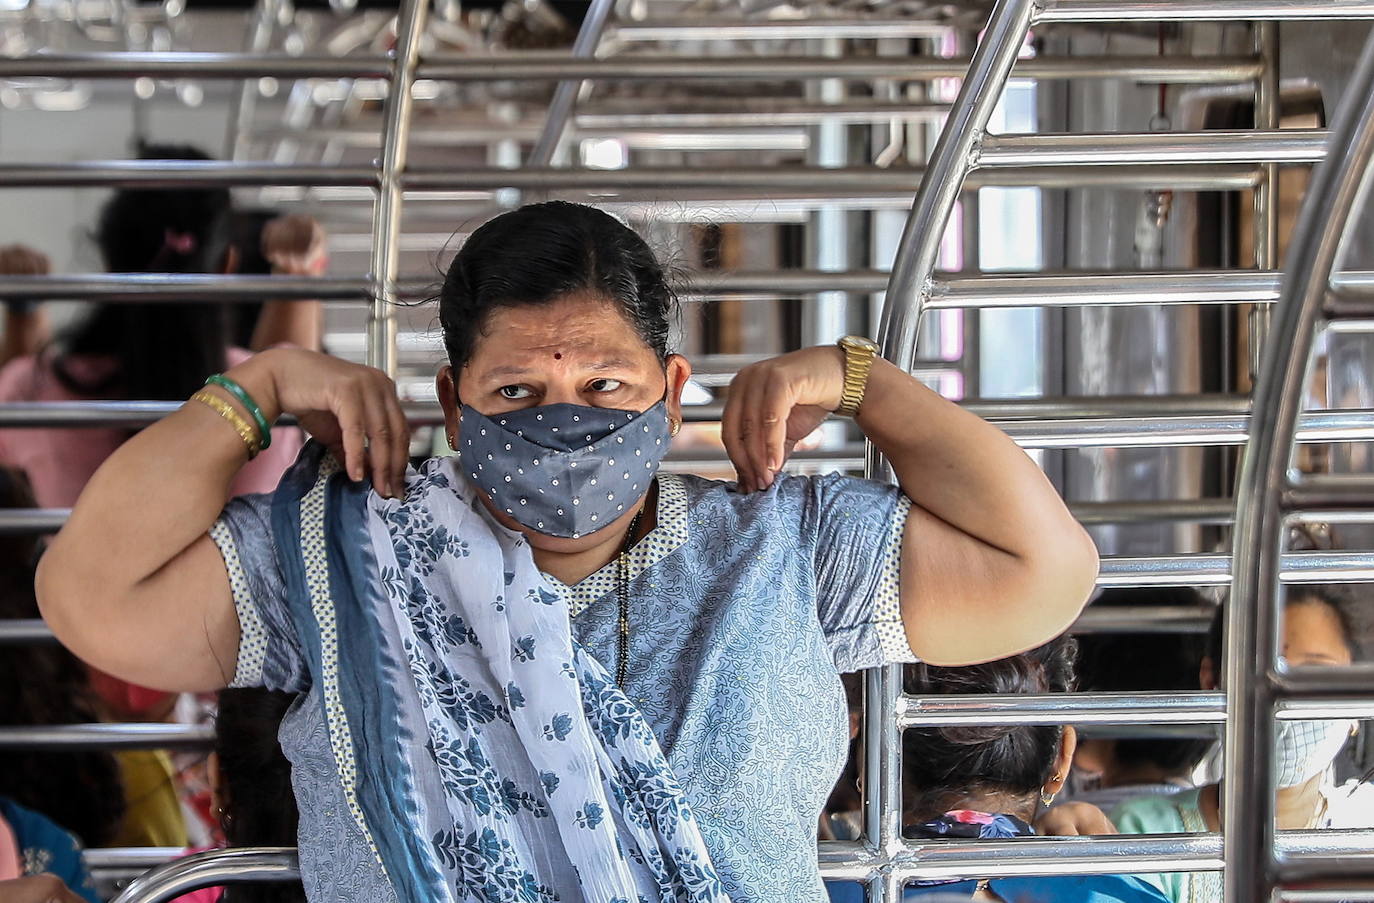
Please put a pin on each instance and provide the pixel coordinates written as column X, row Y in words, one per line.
column 1156, row 814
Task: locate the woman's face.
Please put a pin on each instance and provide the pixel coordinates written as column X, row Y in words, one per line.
column 580, row 350
column 1313, row 635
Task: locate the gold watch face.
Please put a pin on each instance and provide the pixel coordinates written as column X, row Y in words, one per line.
column 857, row 341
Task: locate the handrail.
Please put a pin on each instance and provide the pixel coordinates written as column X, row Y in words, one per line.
column 212, row 869
column 1201, row 10
column 167, row 64
column 565, row 94
column 107, row 736
column 1252, row 617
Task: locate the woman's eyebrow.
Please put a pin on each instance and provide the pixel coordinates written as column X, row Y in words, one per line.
column 612, row 364
column 505, row 371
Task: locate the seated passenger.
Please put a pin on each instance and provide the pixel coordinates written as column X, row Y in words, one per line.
column 989, row 781
column 1321, row 626
column 30, row 845
column 251, row 778
column 1109, row 771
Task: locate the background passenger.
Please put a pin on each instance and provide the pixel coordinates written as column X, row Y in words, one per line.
column 989, row 781
column 1321, row 626
column 32, row 844
column 46, row 685
column 1109, row 771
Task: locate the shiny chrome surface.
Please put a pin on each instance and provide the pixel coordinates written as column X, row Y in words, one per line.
column 218, row 867
column 107, row 736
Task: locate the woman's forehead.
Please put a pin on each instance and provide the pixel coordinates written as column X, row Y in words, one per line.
column 582, row 331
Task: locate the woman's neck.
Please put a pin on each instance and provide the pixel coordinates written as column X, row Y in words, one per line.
column 991, row 802
column 1295, row 808
column 571, row 568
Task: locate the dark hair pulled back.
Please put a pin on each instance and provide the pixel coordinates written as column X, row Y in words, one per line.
column 542, row 252
column 160, row 351
column 945, row 765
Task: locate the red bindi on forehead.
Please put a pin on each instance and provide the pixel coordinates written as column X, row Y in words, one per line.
column 558, row 355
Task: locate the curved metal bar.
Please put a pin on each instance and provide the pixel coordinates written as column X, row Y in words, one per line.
column 1102, row 708
column 217, row 867
column 565, row 95
column 1252, row 618
column 26, row 632
column 949, row 165
column 914, row 264
column 386, row 219
column 107, row 736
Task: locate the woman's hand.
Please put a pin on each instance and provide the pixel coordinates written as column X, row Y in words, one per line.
column 37, row 889
column 21, row 260
column 295, row 245
column 775, row 403
column 350, row 408
column 1074, row 820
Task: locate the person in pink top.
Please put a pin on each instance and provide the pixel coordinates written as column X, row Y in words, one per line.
column 158, row 351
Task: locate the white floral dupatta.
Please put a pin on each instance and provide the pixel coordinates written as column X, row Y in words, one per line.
column 554, row 786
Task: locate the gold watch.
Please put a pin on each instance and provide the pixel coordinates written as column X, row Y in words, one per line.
column 859, row 354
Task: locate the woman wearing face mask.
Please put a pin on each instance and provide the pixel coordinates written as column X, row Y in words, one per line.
column 1318, row 629
column 541, row 670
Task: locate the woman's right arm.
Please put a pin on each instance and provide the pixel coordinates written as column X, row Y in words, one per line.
column 133, row 584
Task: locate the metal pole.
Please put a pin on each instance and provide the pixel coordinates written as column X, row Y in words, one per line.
column 1266, row 209
column 386, row 224
column 255, row 64
column 565, row 95
column 775, row 29
column 180, row 174
column 143, row 288
column 1252, row 617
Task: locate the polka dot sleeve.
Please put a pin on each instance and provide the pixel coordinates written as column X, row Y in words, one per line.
column 270, row 654
column 858, row 526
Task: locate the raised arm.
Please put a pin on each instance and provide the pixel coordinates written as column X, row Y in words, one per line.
column 295, row 245
column 993, row 563
column 133, row 583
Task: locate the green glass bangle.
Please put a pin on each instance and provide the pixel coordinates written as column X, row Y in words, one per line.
column 234, row 389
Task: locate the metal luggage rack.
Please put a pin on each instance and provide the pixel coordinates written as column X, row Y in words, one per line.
column 966, row 157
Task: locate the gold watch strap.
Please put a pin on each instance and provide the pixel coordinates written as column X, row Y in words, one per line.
column 858, row 363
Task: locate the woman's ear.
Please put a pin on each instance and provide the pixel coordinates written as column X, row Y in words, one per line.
column 1207, row 673
column 230, row 263
column 1068, row 744
column 447, row 390
column 678, row 371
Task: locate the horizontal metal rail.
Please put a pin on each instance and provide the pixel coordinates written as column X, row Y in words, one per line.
column 25, row 632
column 1163, row 511
column 1103, row 708
column 1095, row 289
column 29, row 521
column 145, row 287
column 1201, row 10
column 129, row 858
column 212, row 869
column 1171, row 619
column 191, row 65
column 747, row 113
column 517, row 67
column 1154, row 148
column 1040, row 856
column 180, row 174
column 852, row 861
column 1215, row 570
column 107, row 736
column 1324, row 682
column 722, row 29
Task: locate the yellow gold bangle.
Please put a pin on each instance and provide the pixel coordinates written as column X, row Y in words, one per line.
column 247, row 432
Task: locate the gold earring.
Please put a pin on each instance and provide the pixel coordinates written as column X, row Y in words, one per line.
column 675, row 428
column 1046, row 797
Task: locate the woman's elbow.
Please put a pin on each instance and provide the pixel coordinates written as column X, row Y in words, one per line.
column 1066, row 572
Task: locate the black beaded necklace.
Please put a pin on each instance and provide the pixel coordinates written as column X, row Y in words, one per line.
column 622, row 591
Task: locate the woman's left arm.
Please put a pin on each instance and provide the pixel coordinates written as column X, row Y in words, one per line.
column 993, row 563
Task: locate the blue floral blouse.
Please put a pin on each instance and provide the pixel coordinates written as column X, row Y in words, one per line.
column 745, row 609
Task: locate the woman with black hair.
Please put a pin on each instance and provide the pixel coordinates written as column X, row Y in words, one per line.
column 1322, row 625
column 542, row 669
column 990, row 781
column 154, row 351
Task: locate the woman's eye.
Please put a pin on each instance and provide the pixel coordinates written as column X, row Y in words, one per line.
column 605, row 385
column 514, row 392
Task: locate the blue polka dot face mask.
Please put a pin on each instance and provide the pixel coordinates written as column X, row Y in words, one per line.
column 563, row 469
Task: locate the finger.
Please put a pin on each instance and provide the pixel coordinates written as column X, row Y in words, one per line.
column 775, row 407
column 353, row 434
column 400, row 432
column 730, row 428
column 753, row 430
column 381, row 444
